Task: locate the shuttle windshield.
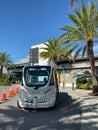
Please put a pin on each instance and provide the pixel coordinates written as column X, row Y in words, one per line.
column 36, row 76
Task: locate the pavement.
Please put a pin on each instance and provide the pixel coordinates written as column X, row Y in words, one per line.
column 89, row 107
column 88, row 104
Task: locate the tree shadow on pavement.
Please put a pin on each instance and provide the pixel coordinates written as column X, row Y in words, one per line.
column 66, row 116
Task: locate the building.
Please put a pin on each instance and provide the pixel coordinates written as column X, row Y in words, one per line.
column 15, row 73
column 63, row 64
column 34, row 57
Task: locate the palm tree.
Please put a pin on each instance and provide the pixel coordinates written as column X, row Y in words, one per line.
column 81, row 36
column 5, row 61
column 72, row 3
column 54, row 50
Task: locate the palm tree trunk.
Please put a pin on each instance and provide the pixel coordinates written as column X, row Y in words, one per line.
column 92, row 63
column 1, row 71
column 55, row 61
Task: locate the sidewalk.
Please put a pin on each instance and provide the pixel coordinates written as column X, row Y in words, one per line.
column 89, row 107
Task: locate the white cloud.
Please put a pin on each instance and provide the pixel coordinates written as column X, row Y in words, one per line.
column 24, row 60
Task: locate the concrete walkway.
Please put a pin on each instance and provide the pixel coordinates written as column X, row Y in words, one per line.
column 89, row 107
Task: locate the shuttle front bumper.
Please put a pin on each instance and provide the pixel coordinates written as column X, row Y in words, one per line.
column 38, row 102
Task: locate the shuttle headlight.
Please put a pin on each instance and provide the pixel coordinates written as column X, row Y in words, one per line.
column 25, row 95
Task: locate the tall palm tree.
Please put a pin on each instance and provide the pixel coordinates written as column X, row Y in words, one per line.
column 54, row 50
column 5, row 61
column 82, row 34
column 72, row 3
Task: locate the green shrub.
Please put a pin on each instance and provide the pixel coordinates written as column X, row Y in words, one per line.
column 4, row 80
column 84, row 86
column 84, row 82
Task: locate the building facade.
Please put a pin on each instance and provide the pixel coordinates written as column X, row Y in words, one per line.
column 34, row 56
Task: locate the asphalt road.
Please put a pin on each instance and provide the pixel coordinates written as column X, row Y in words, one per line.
column 66, row 116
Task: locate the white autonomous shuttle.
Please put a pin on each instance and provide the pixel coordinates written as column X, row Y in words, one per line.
column 39, row 87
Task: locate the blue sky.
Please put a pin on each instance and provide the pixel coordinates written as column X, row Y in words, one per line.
column 24, row 23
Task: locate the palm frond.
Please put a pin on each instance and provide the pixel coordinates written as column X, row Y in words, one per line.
column 72, row 3
column 84, row 51
column 77, row 53
column 54, row 49
column 84, row 11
